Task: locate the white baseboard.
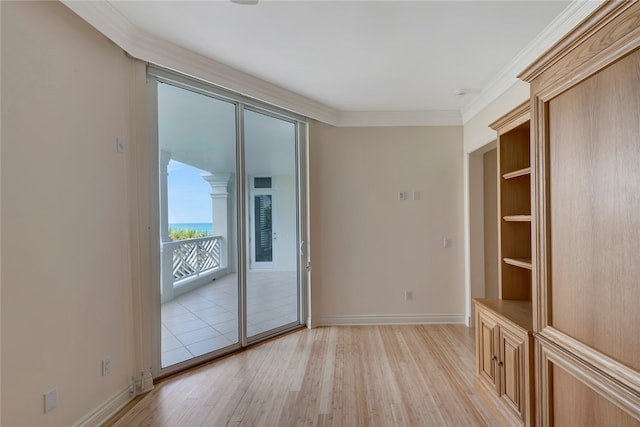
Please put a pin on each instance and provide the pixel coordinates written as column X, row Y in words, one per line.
column 106, row 410
column 110, row 407
column 393, row 319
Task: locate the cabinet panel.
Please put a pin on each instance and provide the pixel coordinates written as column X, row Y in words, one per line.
column 511, row 360
column 575, row 404
column 486, row 351
column 594, row 170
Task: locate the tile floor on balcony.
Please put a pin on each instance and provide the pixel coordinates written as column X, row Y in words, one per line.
column 205, row 319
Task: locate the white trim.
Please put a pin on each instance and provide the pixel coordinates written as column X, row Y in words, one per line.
column 575, row 13
column 467, row 241
column 106, row 410
column 110, row 407
column 393, row 319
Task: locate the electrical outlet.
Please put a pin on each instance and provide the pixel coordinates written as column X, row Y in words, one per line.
column 106, row 366
column 51, row 399
column 408, row 295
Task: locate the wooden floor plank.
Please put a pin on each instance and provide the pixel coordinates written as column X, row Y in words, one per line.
column 409, row 375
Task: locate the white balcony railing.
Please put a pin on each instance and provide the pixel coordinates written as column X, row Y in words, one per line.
column 192, row 257
column 189, row 259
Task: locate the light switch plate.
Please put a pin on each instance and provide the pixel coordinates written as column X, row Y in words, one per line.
column 120, row 144
column 51, row 399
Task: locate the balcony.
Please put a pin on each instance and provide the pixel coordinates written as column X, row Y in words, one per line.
column 206, row 318
column 188, row 264
column 200, row 299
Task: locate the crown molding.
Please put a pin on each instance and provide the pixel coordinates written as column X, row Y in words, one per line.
column 399, row 118
column 575, row 13
column 181, row 60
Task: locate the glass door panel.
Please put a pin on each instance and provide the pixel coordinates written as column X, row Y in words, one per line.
column 272, row 238
column 199, row 280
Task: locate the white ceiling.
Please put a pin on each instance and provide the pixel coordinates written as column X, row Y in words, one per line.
column 354, row 56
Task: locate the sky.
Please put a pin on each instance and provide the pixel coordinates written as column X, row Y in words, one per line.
column 189, row 196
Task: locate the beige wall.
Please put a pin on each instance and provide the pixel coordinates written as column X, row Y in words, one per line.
column 67, row 93
column 367, row 247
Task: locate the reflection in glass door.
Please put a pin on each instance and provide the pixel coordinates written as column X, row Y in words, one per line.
column 272, row 247
column 263, row 237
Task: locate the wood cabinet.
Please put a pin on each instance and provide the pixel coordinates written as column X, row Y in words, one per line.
column 504, row 357
column 585, row 98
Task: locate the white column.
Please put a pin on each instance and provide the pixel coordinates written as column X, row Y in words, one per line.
column 165, row 157
column 220, row 211
column 166, row 272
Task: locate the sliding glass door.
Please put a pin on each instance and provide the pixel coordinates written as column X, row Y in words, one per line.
column 229, row 223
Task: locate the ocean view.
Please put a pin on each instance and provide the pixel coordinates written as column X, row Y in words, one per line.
column 206, row 227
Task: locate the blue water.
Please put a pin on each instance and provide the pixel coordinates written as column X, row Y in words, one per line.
column 198, row 226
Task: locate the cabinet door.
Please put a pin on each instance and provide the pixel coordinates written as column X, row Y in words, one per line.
column 487, row 351
column 511, row 361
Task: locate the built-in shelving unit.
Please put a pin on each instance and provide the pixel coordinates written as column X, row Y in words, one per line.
column 504, row 326
column 514, row 204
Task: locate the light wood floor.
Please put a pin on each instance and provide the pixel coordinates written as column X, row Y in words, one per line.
column 419, row 375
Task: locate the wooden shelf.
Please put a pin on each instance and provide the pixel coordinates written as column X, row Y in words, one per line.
column 519, row 262
column 517, row 218
column 517, row 312
column 519, row 172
